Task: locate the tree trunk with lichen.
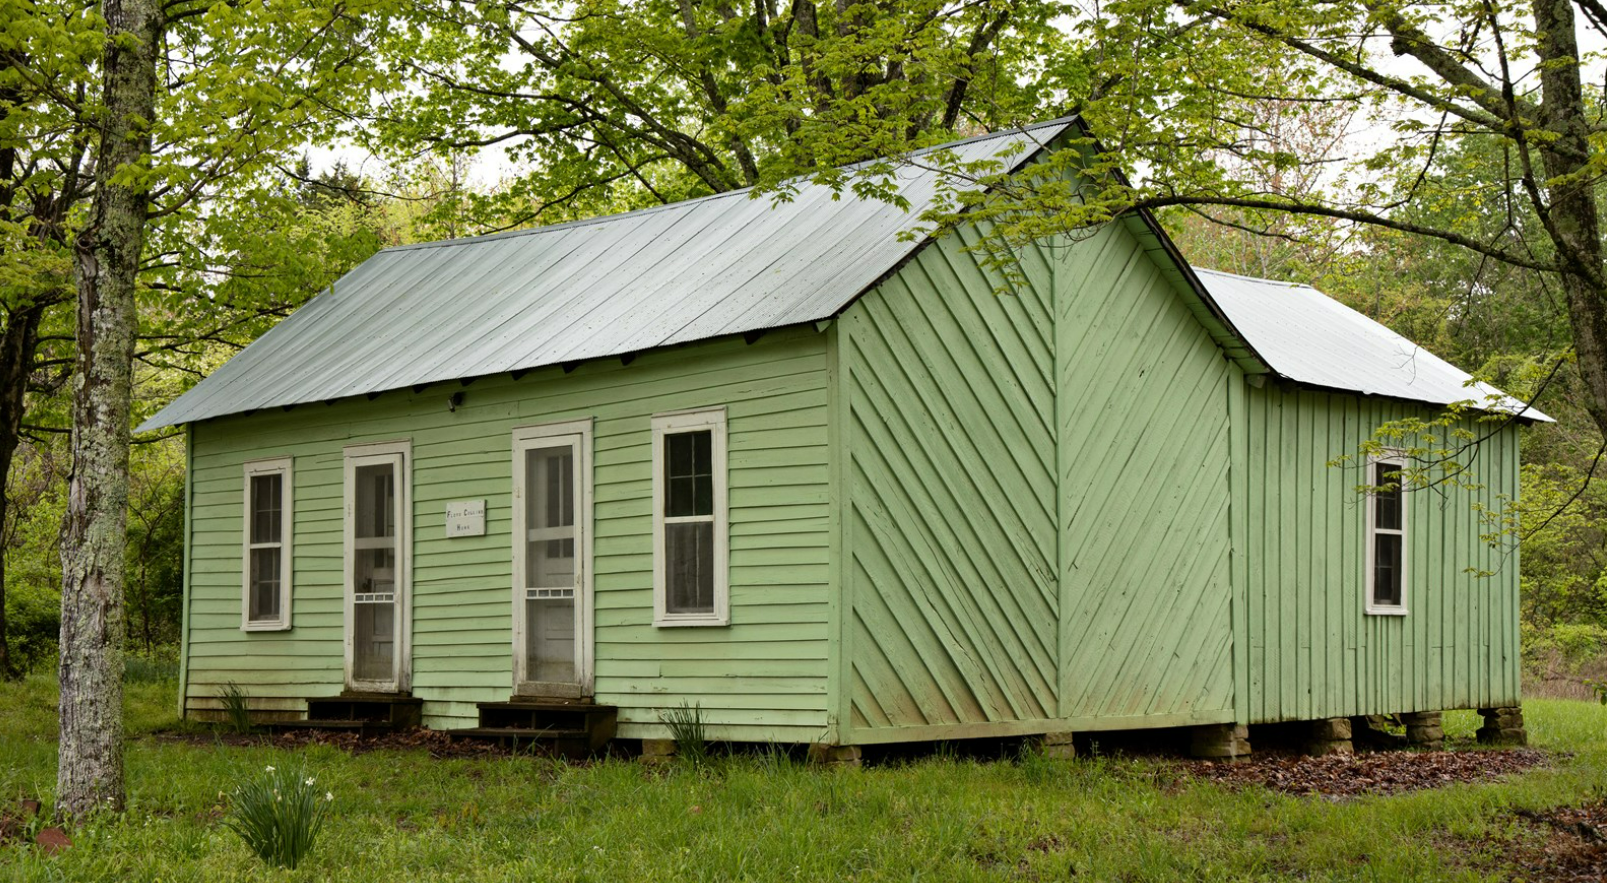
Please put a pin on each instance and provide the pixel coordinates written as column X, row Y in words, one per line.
column 106, row 261
column 1573, row 215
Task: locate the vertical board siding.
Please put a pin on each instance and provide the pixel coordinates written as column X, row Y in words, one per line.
column 950, row 545
column 1143, row 469
column 762, row 677
column 1311, row 650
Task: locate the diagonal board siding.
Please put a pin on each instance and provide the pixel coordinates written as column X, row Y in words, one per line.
column 762, row 677
column 1311, row 649
column 1143, row 467
column 949, row 525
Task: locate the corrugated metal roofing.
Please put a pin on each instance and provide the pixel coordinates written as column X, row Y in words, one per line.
column 1310, row 338
column 720, row 265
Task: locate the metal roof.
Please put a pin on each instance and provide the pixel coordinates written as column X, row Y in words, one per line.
column 1308, row 337
column 720, row 265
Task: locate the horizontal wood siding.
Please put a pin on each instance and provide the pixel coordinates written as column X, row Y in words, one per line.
column 1311, row 651
column 949, row 525
column 764, row 676
column 1145, row 635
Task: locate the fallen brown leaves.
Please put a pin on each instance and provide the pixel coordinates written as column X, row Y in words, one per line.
column 437, row 743
column 1382, row 772
column 15, row 827
column 1571, row 846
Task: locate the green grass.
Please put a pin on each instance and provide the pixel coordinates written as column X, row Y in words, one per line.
column 402, row 816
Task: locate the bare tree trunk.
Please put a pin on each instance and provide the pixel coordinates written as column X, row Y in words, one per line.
column 106, row 260
column 17, row 344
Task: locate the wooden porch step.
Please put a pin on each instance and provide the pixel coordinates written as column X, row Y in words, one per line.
column 399, row 710
column 371, row 714
column 361, row 727
column 575, row 744
column 571, row 727
column 523, row 733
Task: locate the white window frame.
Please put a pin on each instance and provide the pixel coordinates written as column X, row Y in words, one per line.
column 352, row 456
column 525, row 439
column 712, row 419
column 1398, row 460
column 283, row 467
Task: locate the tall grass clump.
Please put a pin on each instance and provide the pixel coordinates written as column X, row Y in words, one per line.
column 150, row 668
column 687, row 729
column 279, row 814
column 236, row 707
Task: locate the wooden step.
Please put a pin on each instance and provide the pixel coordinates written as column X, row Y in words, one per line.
column 371, row 714
column 571, row 727
column 541, row 715
column 574, row 744
column 365, row 728
column 514, row 733
column 397, row 710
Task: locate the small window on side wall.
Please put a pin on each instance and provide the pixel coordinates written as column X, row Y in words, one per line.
column 1386, row 537
column 266, row 564
column 690, row 585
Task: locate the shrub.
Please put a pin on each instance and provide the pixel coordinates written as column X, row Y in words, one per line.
column 236, row 707
column 33, row 622
column 686, row 728
column 278, row 814
column 1564, row 661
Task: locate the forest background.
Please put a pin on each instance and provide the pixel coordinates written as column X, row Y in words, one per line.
column 449, row 118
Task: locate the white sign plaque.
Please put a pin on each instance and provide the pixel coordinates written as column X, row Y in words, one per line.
column 465, row 518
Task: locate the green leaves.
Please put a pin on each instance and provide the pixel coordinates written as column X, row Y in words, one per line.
column 611, row 104
column 279, row 814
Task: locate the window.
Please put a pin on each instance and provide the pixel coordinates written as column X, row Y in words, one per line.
column 266, row 564
column 1386, row 538
column 689, row 519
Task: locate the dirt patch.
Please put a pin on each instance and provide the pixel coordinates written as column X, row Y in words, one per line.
column 18, row 824
column 1566, row 845
column 436, row 742
column 1381, row 772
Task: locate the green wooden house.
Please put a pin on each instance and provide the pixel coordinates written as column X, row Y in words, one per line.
column 821, row 481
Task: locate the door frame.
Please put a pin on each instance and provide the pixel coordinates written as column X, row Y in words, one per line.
column 368, row 454
column 524, row 439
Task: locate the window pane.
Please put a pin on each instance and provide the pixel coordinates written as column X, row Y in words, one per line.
column 702, row 452
column 376, row 501
column 374, row 641
column 1387, row 569
column 550, row 517
column 689, row 473
column 267, row 492
column 375, row 570
column 265, row 576
column 550, row 640
column 679, row 449
column 1388, row 503
column 689, row 567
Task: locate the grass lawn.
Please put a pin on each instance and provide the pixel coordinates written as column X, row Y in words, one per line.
column 399, row 815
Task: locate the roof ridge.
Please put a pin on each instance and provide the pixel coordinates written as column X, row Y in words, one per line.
column 684, row 203
column 1250, row 278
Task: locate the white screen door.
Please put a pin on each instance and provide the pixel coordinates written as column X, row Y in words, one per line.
column 376, row 570
column 551, row 642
